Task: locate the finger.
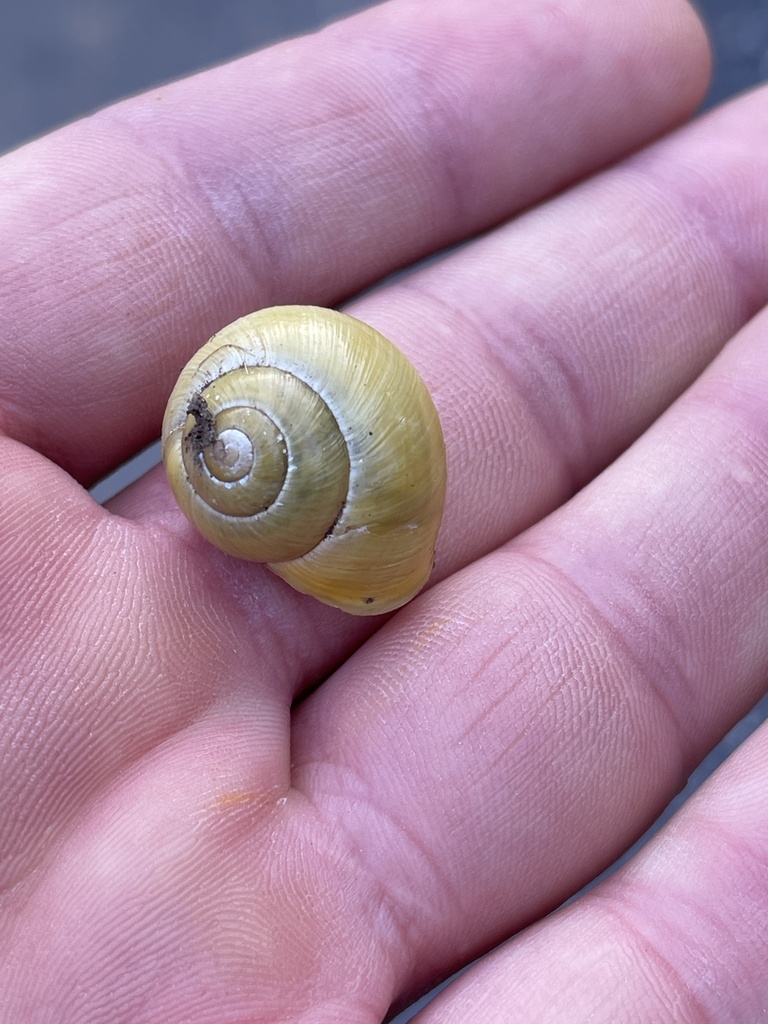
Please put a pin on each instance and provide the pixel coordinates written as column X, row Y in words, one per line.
column 678, row 934
column 501, row 743
column 300, row 174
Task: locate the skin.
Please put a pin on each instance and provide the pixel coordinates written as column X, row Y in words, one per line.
column 183, row 838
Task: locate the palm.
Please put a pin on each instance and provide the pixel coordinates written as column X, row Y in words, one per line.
column 175, row 843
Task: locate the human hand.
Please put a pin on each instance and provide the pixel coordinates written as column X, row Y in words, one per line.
column 176, row 845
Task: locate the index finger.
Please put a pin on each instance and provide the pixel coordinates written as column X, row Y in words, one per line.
column 300, row 174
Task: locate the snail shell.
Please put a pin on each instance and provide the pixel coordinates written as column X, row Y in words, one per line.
column 301, row 437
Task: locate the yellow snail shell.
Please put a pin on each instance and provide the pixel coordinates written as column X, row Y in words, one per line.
column 301, row 437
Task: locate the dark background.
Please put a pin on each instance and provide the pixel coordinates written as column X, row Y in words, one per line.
column 60, row 59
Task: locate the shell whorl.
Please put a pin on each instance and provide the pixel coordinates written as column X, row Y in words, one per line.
column 301, row 437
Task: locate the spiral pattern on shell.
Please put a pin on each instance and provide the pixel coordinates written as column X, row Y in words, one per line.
column 301, row 437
